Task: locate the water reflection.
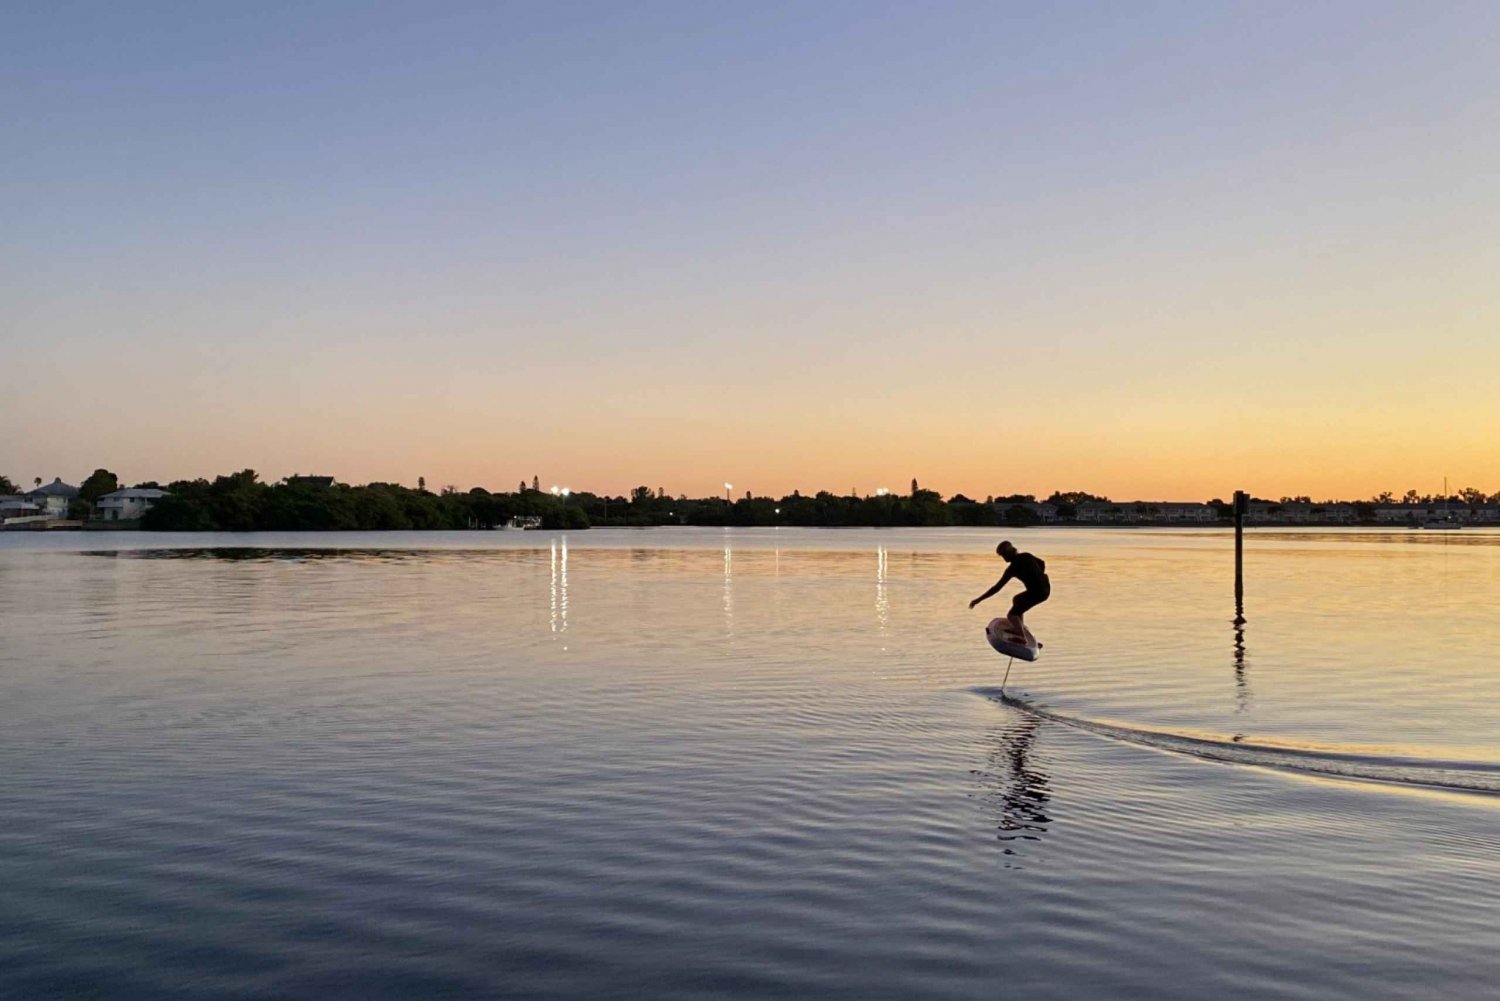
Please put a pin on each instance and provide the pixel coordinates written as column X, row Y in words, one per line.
column 728, row 588
column 560, row 586
column 1019, row 790
column 1241, row 674
column 882, row 604
column 311, row 554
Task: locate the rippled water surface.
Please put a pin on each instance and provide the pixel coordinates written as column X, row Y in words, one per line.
column 746, row 764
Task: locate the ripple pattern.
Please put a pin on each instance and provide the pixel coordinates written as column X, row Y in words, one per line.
column 294, row 768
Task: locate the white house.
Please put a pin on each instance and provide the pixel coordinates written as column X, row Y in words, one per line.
column 53, row 499
column 127, row 505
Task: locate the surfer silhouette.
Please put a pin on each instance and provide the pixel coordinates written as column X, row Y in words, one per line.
column 1032, row 573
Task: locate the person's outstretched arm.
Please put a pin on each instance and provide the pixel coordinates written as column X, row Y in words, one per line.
column 992, row 591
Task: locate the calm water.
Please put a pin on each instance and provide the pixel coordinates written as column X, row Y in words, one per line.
column 709, row 764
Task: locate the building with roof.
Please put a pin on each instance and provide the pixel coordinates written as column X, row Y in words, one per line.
column 53, row 499
column 127, row 505
column 1147, row 512
column 1425, row 511
column 15, row 508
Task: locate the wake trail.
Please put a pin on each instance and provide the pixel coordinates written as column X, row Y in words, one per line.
column 1461, row 776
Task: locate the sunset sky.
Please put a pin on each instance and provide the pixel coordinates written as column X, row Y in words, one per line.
column 1149, row 250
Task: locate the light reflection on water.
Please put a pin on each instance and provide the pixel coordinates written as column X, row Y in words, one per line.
column 728, row 588
column 684, row 764
column 559, row 587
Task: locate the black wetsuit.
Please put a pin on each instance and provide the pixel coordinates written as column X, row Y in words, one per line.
column 1033, row 573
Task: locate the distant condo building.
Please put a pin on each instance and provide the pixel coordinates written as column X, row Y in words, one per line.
column 1300, row 513
column 1417, row 514
column 1131, row 512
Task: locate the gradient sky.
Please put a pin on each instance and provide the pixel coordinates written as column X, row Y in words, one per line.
column 1155, row 250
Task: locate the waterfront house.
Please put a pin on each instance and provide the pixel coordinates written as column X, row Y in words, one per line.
column 127, row 505
column 16, row 508
column 53, row 499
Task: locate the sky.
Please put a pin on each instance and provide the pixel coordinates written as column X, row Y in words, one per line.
column 1158, row 250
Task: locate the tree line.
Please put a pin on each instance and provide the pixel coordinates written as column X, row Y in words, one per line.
column 242, row 501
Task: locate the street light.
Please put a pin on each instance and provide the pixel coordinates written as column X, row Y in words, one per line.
column 728, row 487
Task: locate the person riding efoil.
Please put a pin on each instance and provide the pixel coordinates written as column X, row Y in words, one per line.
column 1031, row 572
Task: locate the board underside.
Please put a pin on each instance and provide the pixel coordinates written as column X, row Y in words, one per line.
column 995, row 632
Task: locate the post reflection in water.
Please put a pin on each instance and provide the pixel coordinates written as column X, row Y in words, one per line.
column 882, row 604
column 1241, row 675
column 560, row 587
column 1017, row 788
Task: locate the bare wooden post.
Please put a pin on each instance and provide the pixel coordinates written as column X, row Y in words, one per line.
column 1241, row 502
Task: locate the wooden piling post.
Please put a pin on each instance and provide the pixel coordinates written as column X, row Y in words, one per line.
column 1241, row 503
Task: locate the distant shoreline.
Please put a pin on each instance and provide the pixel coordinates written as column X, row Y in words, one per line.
column 1224, row 526
column 243, row 502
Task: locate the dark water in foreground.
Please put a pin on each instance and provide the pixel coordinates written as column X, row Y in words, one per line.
column 706, row 764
